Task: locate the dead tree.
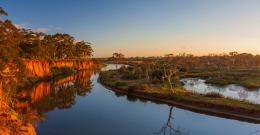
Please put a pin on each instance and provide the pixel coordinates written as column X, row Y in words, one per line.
column 168, row 126
column 169, row 74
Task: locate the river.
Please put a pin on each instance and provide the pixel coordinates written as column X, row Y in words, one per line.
column 79, row 105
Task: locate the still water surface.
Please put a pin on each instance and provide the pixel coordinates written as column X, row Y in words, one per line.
column 233, row 91
column 79, row 105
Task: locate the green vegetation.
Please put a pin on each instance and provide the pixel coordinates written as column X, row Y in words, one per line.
column 98, row 64
column 18, row 43
column 142, row 87
column 246, row 77
column 62, row 71
column 221, row 69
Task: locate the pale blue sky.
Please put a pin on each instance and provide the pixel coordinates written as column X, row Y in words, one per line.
column 147, row 27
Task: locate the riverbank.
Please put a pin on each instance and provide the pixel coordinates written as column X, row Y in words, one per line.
column 11, row 120
column 210, row 103
column 10, row 123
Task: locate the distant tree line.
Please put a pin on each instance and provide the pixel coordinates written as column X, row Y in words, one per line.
column 168, row 69
column 183, row 61
column 20, row 43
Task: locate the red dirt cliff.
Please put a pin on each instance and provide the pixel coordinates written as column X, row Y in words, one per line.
column 42, row 68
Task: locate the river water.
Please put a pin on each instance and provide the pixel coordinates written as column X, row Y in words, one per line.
column 233, row 91
column 79, row 105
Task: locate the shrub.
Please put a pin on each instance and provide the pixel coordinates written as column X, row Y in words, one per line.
column 56, row 71
column 120, row 84
column 123, row 69
column 214, row 95
column 156, row 81
column 144, row 87
column 130, row 76
column 132, row 89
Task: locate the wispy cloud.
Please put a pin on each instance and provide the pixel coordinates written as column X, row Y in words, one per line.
column 55, row 29
column 20, row 26
column 49, row 29
column 43, row 30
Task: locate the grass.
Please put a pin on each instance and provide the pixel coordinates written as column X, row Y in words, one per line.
column 143, row 87
column 249, row 78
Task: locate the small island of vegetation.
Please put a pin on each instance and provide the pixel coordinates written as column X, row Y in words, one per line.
column 158, row 79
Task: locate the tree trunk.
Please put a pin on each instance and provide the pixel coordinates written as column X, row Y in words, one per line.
column 170, row 83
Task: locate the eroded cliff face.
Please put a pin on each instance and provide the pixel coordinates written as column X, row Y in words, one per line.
column 42, row 68
column 10, row 123
column 38, row 67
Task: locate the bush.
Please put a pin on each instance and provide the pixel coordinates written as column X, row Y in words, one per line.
column 214, row 95
column 156, row 81
column 130, row 76
column 123, row 69
column 120, row 84
column 132, row 89
column 56, row 71
column 144, row 87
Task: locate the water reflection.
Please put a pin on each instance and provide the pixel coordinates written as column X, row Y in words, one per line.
column 168, row 128
column 113, row 66
column 34, row 102
column 232, row 90
column 98, row 111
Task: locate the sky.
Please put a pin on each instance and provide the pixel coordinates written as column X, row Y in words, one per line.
column 146, row 27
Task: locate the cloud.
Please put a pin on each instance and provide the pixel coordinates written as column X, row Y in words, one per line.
column 49, row 29
column 55, row 29
column 43, row 30
column 20, row 26
column 58, row 28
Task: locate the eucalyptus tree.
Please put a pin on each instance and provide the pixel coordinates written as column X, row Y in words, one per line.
column 9, row 41
column 170, row 73
column 3, row 12
column 64, row 45
column 117, row 57
column 83, row 49
column 233, row 58
column 31, row 45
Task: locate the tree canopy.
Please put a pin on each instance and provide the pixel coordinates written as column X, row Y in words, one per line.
column 17, row 43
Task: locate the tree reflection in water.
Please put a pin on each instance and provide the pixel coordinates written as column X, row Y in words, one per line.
column 168, row 128
column 47, row 96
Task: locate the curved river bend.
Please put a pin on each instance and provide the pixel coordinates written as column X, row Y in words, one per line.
column 79, row 105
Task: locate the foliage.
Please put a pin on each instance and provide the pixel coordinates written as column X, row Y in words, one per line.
column 161, row 93
column 120, row 84
column 117, row 57
column 3, row 12
column 18, row 43
column 56, row 71
column 222, row 69
column 214, row 95
column 132, row 88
